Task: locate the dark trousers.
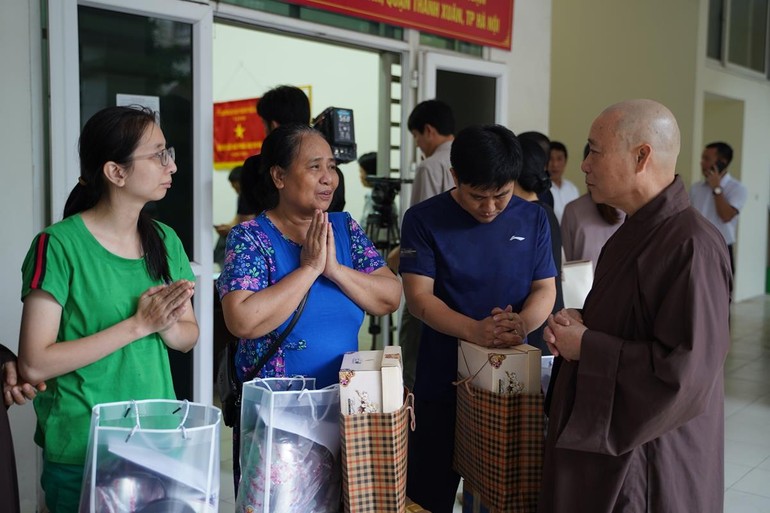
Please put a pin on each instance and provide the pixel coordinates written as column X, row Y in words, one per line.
column 430, row 480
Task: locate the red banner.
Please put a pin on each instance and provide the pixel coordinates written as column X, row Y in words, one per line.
column 238, row 132
column 483, row 22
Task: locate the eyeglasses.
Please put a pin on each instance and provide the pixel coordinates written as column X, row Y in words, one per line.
column 166, row 155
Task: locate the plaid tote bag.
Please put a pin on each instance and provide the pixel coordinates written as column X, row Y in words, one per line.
column 499, row 447
column 374, row 448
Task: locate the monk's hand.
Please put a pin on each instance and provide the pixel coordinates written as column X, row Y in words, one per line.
column 313, row 254
column 565, row 339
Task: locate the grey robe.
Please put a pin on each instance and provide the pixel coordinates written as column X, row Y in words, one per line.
column 637, row 425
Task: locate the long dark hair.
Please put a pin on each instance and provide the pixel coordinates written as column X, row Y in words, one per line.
column 113, row 134
column 280, row 148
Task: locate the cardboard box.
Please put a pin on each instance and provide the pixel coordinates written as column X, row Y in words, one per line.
column 392, row 379
column 371, row 381
column 513, row 370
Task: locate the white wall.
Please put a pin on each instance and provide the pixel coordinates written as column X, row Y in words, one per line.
column 248, row 62
column 529, row 68
column 20, row 198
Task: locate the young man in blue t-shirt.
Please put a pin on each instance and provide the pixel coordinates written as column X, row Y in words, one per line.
column 476, row 264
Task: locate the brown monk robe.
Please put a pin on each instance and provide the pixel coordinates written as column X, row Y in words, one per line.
column 637, row 419
column 9, row 486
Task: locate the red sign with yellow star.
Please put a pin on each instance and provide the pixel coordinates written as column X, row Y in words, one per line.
column 238, row 132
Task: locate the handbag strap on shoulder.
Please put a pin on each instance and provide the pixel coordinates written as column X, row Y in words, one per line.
column 274, row 347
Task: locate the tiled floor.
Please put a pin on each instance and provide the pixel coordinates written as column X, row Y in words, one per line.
column 747, row 416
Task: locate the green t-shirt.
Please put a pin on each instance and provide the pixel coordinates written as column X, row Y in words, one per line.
column 96, row 290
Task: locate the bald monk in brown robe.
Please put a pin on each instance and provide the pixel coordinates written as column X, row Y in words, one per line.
column 637, row 419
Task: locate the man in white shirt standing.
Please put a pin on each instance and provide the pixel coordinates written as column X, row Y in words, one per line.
column 563, row 190
column 432, row 125
column 719, row 197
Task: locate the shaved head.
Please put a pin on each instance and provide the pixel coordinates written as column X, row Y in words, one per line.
column 639, row 122
column 633, row 147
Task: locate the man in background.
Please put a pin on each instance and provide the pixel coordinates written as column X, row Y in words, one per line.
column 562, row 190
column 280, row 106
column 432, row 125
column 719, row 197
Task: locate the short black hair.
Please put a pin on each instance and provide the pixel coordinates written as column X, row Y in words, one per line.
column 434, row 113
column 368, row 162
column 533, row 177
column 235, row 174
column 559, row 146
column 486, row 156
column 724, row 150
column 284, row 104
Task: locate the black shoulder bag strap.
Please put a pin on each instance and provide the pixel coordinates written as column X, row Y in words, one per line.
column 274, row 348
column 233, row 344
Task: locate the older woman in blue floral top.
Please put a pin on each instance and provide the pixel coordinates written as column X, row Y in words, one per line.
column 272, row 261
column 294, row 247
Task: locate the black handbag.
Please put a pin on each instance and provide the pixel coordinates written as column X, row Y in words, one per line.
column 228, row 385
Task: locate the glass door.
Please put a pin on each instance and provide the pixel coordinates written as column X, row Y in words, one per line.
column 155, row 53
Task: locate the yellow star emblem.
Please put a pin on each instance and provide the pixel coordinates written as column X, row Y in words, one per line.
column 239, row 131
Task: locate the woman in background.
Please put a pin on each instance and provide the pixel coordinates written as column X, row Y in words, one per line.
column 533, row 182
column 106, row 294
column 586, row 226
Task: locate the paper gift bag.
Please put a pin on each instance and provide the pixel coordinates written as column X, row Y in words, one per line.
column 499, row 446
column 152, row 455
column 374, row 456
column 577, row 278
column 290, row 440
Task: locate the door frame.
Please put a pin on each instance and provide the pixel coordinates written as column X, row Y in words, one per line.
column 431, row 62
column 64, row 83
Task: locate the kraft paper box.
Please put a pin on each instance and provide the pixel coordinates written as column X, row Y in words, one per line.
column 512, row 370
column 371, row 381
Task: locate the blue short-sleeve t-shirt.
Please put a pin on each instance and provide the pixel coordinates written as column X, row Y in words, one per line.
column 258, row 256
column 475, row 267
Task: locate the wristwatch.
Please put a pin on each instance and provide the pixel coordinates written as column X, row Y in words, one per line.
column 717, row 190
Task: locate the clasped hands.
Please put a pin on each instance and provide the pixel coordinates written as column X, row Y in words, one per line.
column 16, row 391
column 161, row 306
column 319, row 251
column 503, row 328
column 564, row 333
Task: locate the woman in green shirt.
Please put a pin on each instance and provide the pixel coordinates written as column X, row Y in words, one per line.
column 106, row 293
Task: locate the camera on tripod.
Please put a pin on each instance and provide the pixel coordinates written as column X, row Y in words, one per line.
column 384, row 191
column 336, row 125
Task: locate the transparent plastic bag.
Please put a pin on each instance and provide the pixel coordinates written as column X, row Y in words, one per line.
column 290, row 443
column 152, row 456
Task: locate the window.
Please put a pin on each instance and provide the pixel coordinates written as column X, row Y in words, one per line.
column 738, row 33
